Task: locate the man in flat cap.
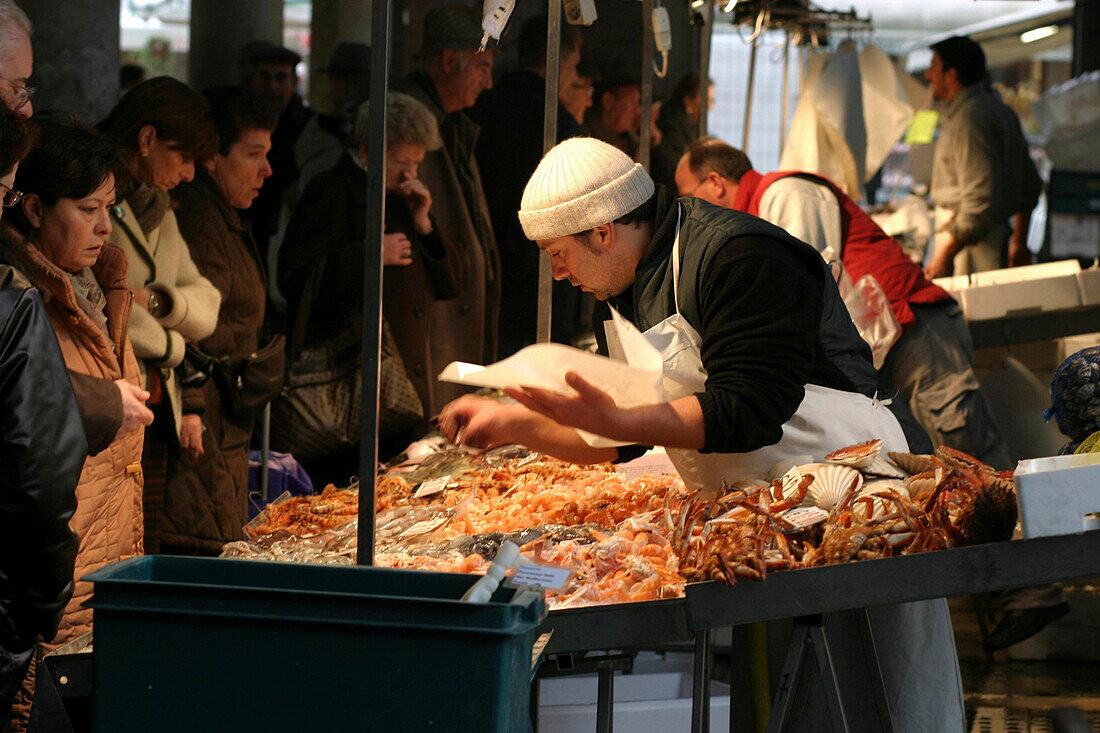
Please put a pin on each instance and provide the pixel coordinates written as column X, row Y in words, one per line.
column 322, row 140
column 269, row 71
column 452, row 74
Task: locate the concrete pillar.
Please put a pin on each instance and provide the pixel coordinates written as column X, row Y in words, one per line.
column 218, row 30
column 333, row 21
column 76, row 56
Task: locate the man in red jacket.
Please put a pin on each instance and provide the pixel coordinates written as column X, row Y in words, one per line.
column 931, row 365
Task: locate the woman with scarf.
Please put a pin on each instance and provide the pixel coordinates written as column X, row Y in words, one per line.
column 162, row 130
column 57, row 236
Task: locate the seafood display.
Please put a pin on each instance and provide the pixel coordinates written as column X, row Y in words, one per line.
column 644, row 538
column 754, row 530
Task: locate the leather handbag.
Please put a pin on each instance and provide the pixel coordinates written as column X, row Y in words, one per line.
column 246, row 385
column 320, row 408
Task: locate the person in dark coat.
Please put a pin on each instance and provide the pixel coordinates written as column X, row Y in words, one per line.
column 328, row 230
column 508, row 151
column 678, row 122
column 269, row 72
column 452, row 74
column 205, row 502
column 42, row 449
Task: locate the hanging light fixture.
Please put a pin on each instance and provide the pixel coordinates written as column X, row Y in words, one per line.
column 730, row 6
column 1038, row 34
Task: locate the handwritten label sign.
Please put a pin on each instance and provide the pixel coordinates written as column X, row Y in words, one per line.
column 790, row 481
column 428, row 525
column 527, row 460
column 540, row 644
column 802, row 517
column 432, row 487
column 539, row 577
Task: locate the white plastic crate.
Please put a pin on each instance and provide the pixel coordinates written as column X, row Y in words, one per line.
column 1056, row 494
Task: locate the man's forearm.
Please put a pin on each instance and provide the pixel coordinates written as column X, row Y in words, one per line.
column 675, row 424
column 546, row 436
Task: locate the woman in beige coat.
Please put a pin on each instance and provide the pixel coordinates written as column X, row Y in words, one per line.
column 57, row 235
column 162, row 128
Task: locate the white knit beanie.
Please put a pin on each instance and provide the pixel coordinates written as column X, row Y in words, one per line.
column 581, row 183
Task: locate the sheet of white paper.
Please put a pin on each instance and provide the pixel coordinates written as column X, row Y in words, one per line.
column 545, row 366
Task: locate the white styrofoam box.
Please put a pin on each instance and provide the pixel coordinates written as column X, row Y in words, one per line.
column 649, row 716
column 1089, row 283
column 1054, row 494
column 582, row 689
column 954, row 285
column 1047, row 287
column 1041, row 271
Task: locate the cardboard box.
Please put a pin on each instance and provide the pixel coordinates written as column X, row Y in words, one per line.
column 1050, row 286
column 1089, row 283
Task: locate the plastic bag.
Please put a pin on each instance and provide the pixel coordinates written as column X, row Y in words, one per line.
column 871, row 313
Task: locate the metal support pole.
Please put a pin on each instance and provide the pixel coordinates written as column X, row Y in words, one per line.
column 605, row 699
column 748, row 96
column 644, row 137
column 265, row 453
column 549, row 139
column 759, row 674
column 704, row 65
column 372, row 276
column 700, row 684
column 786, row 85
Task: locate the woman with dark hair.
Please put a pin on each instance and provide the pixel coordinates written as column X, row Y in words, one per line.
column 57, row 236
column 162, row 129
column 206, row 500
column 42, row 447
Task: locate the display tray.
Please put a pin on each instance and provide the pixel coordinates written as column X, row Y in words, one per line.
column 940, row 574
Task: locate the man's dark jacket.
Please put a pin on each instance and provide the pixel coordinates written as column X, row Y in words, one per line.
column 766, row 308
column 508, row 151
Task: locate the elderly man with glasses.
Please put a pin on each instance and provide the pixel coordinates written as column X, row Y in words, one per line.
column 16, row 59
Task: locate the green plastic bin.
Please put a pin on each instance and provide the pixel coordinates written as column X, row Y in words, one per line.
column 193, row 644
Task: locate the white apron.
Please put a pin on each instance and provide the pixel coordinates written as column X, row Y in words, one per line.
column 915, row 641
column 827, row 419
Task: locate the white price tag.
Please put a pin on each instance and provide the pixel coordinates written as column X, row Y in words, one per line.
column 540, row 576
column 539, row 645
column 790, row 481
column 432, row 487
column 428, row 525
column 804, row 516
column 527, row 459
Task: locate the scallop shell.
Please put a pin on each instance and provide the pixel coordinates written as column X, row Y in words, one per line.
column 922, row 484
column 914, row 463
column 859, row 455
column 879, row 506
column 778, row 470
column 884, row 467
column 831, row 483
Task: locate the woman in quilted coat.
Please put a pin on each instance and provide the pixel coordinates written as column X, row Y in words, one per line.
column 58, row 237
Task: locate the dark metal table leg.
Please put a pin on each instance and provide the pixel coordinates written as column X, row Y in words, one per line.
column 535, row 705
column 700, row 684
column 788, row 678
column 828, row 678
column 605, row 700
column 874, row 670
